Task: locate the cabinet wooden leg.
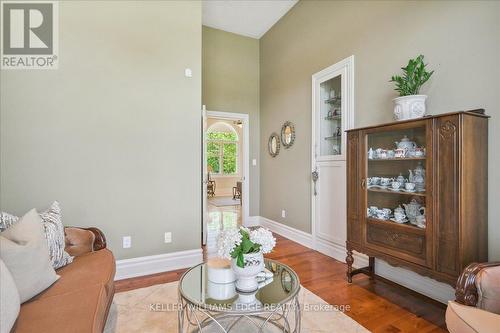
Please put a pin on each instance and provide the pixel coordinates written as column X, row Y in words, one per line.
column 371, row 267
column 349, row 260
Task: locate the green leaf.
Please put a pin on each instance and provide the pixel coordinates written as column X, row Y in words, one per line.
column 240, row 262
column 414, row 76
column 246, row 245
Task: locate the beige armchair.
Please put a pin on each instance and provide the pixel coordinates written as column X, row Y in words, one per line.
column 477, row 304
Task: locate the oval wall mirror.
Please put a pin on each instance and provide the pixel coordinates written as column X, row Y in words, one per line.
column 287, row 134
column 274, row 145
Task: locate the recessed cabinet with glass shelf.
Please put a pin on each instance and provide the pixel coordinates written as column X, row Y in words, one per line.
column 332, row 110
column 408, row 202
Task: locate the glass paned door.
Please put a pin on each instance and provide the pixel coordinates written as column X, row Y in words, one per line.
column 330, row 117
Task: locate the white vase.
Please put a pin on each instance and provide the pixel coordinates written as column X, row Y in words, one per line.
column 409, row 107
column 246, row 277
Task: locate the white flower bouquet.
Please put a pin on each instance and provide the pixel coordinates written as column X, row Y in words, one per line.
column 234, row 243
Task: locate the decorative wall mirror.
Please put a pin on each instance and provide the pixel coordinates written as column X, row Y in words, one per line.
column 274, row 145
column 287, row 134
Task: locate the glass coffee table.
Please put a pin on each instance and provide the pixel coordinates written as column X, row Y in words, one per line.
column 214, row 307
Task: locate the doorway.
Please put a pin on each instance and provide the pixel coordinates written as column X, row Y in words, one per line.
column 225, row 159
column 333, row 114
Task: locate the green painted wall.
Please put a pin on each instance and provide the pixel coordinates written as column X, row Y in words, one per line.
column 460, row 40
column 231, row 84
column 114, row 133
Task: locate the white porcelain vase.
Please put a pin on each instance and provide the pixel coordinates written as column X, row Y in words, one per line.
column 246, row 277
column 409, row 107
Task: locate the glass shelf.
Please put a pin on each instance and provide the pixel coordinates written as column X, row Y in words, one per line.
column 420, row 194
column 333, row 100
column 397, row 159
column 330, row 117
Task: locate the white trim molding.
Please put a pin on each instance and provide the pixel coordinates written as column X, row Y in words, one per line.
column 245, row 173
column 140, row 266
column 296, row 235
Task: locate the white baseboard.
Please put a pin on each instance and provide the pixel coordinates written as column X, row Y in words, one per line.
column 296, row 235
column 128, row 268
column 411, row 280
column 333, row 250
column 252, row 221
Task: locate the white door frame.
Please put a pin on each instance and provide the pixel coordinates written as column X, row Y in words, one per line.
column 346, row 66
column 245, row 209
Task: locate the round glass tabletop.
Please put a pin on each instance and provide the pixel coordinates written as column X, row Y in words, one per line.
column 196, row 288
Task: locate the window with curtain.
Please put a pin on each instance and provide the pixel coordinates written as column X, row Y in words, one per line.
column 222, row 152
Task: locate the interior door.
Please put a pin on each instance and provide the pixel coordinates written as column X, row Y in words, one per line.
column 332, row 115
column 204, row 177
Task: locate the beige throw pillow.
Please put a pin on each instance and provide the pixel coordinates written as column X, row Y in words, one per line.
column 9, row 300
column 54, row 233
column 23, row 249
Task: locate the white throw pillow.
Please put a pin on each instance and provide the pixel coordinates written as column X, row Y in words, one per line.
column 9, row 300
column 54, row 233
column 23, row 249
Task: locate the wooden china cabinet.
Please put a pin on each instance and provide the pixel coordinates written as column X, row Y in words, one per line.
column 454, row 194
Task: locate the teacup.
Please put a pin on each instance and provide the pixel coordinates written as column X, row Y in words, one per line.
column 391, row 153
column 396, row 185
column 400, row 153
column 410, row 186
column 421, row 221
column 385, row 181
column 382, row 154
column 387, row 211
column 419, row 152
column 411, row 153
column 373, row 210
column 374, row 180
column 399, row 216
column 382, row 214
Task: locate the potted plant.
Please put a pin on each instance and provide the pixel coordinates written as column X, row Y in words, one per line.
column 246, row 249
column 410, row 104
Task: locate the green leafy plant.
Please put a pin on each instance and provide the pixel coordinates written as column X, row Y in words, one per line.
column 414, row 76
column 246, row 246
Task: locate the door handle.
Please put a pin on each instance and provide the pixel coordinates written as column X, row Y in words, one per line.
column 363, row 183
column 315, row 177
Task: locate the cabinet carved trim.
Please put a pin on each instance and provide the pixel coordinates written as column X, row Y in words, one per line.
column 447, row 130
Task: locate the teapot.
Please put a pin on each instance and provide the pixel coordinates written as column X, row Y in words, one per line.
column 405, row 143
column 417, row 176
column 414, row 209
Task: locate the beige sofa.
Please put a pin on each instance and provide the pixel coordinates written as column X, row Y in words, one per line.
column 477, row 304
column 79, row 301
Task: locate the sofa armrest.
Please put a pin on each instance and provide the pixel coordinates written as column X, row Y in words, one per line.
column 83, row 240
column 466, row 292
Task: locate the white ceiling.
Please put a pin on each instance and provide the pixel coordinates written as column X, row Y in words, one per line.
column 252, row 18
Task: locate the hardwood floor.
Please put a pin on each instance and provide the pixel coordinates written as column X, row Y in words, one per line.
column 378, row 305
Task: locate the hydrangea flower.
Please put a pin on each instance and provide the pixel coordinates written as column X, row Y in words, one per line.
column 263, row 237
column 228, row 240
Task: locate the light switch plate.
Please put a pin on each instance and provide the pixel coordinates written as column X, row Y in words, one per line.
column 188, row 72
column 283, row 213
column 254, row 162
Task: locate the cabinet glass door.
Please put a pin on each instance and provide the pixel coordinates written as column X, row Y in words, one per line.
column 396, row 178
column 330, row 117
